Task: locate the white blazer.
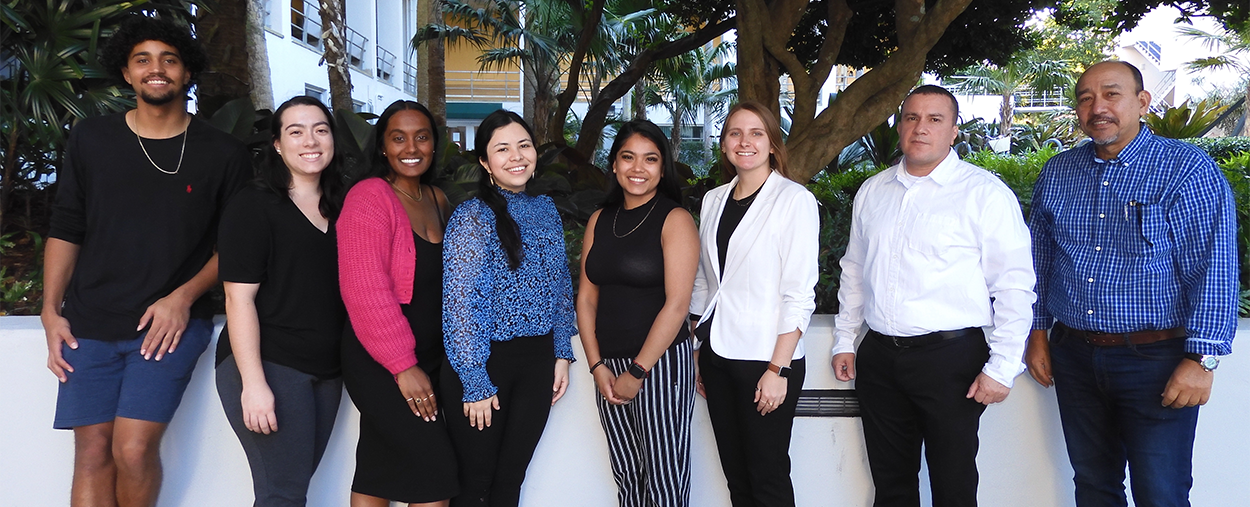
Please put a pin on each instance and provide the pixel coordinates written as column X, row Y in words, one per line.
column 771, row 270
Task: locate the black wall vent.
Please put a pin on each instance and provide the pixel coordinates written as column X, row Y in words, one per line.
column 828, row 403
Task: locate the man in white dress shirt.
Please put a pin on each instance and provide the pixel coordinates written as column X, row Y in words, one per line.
column 938, row 250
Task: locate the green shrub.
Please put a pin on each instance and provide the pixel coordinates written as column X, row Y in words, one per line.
column 836, row 195
column 1185, row 120
column 1220, row 148
column 1237, row 170
column 1019, row 172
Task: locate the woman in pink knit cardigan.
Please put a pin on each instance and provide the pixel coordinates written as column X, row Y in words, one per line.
column 391, row 277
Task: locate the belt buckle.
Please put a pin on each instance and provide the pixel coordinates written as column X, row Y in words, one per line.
column 897, row 344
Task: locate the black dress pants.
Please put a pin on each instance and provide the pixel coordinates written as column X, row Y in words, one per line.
column 754, row 449
column 493, row 461
column 913, row 395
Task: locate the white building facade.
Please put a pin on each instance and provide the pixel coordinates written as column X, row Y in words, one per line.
column 380, row 55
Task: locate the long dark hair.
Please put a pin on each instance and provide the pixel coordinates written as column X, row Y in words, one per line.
column 275, row 176
column 376, row 163
column 668, row 186
column 505, row 225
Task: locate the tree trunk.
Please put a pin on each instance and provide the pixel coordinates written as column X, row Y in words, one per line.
column 543, row 105
column 588, row 23
column 1245, row 115
column 640, row 100
column 10, row 161
column 334, row 44
column 1005, row 115
column 431, row 62
column 223, row 33
column 675, row 134
column 529, row 103
column 258, row 58
column 438, row 68
column 815, row 140
column 596, row 113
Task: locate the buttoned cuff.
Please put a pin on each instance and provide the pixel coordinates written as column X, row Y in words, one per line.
column 1003, row 370
column 1208, row 347
column 843, row 345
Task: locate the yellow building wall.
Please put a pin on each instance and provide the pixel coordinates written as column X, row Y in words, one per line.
column 465, row 83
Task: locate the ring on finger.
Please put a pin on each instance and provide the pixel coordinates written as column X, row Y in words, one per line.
column 411, row 399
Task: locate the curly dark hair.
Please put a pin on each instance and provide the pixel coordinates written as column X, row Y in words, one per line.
column 139, row 28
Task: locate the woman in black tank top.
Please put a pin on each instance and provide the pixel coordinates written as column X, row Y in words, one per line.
column 639, row 259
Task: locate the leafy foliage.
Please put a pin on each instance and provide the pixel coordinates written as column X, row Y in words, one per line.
column 1237, row 170
column 1019, row 172
column 1185, row 121
column 1220, row 148
column 878, row 148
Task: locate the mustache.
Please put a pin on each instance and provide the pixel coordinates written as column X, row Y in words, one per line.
column 1102, row 117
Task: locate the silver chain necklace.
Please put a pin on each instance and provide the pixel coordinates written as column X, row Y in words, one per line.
column 181, row 152
column 644, row 219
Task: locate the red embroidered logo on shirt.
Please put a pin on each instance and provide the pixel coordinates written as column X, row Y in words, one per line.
column 188, row 189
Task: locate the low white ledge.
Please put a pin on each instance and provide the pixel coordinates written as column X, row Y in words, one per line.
column 1022, row 459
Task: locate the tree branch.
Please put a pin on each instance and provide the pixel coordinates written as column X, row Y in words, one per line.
column 596, row 115
column 567, row 96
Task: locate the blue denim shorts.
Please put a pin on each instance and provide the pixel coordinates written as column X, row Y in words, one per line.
column 111, row 379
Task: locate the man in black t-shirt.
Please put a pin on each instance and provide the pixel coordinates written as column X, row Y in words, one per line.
column 128, row 261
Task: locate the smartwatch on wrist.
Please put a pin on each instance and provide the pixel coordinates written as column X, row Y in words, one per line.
column 1208, row 363
column 781, row 371
column 637, row 370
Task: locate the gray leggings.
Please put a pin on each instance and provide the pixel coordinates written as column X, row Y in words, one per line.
column 283, row 461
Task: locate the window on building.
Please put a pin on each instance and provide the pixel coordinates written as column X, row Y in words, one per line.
column 315, row 92
column 386, row 64
column 306, row 22
column 356, row 49
column 409, row 61
column 692, row 133
column 359, row 107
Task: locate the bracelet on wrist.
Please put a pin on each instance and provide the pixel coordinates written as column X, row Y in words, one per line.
column 596, row 365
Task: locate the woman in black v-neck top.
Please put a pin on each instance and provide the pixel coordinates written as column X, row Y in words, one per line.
column 278, row 356
column 639, row 259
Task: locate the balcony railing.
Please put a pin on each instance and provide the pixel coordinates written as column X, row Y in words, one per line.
column 306, row 23
column 356, row 49
column 1041, row 98
column 306, row 28
column 410, row 79
column 465, row 85
column 385, row 65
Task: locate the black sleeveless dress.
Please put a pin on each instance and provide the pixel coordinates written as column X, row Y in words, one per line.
column 400, row 456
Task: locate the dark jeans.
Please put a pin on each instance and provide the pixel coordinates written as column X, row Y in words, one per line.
column 493, row 461
column 754, row 449
column 1110, row 406
column 912, row 395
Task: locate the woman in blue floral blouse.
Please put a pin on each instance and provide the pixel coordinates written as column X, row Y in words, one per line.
column 507, row 316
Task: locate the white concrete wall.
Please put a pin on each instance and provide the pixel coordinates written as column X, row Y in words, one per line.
column 1022, row 460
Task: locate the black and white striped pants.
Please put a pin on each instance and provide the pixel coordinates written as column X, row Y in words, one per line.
column 649, row 438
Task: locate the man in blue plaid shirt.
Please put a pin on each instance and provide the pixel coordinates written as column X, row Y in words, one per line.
column 1135, row 253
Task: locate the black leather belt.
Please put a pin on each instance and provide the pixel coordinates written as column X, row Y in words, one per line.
column 907, row 342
